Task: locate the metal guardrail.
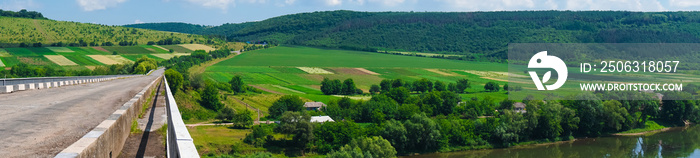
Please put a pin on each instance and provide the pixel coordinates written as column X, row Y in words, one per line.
column 179, row 142
column 15, row 81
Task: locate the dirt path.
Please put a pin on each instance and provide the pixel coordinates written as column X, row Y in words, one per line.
column 265, row 89
column 255, row 109
column 198, row 69
column 148, row 143
column 41, row 123
column 49, row 39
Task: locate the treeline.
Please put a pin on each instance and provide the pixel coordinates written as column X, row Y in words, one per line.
column 21, row 70
column 181, row 64
column 22, row 14
column 442, row 121
column 482, row 36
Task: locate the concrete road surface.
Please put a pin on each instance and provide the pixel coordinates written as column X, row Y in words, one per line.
column 41, row 123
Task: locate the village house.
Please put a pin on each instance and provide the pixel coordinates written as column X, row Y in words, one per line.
column 314, row 105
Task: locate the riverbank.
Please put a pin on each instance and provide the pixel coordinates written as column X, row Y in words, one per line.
column 649, row 127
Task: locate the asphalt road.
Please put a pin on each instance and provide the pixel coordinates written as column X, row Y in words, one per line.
column 41, row 123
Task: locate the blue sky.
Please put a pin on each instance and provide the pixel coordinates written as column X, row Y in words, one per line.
column 217, row 12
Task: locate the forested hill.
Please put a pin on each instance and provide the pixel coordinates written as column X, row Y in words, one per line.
column 32, row 29
column 485, row 33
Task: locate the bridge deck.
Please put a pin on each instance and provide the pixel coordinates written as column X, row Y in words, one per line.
column 41, row 123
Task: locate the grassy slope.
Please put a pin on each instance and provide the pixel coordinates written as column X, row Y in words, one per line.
column 18, row 30
column 275, row 69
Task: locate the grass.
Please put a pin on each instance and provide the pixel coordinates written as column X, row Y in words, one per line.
column 277, row 69
column 219, row 139
column 177, row 48
column 42, row 51
column 4, row 53
column 20, row 52
column 127, row 49
column 82, row 60
column 24, row 30
column 299, row 56
column 154, row 49
column 648, row 126
column 10, row 61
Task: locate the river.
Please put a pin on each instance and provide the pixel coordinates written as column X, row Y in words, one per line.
column 676, row 142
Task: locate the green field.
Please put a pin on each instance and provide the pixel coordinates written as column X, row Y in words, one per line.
column 79, row 55
column 275, row 69
column 177, row 49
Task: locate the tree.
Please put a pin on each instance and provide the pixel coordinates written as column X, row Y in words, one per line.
column 440, row 86
column 510, row 129
column 349, row 87
column 333, row 135
column 226, row 115
column 506, row 104
column 375, row 147
column 452, row 87
column 449, row 101
column 284, row 104
column 423, row 85
column 144, row 64
column 174, row 79
column 299, row 125
column 492, row 86
column 326, row 87
column 237, row 84
column 210, row 98
column 679, row 107
column 462, row 84
column 260, row 135
column 385, row 85
column 588, row 108
column 395, row 132
column 374, row 89
column 423, row 133
column 243, row 119
column 399, row 94
column 615, row 116
column 505, row 87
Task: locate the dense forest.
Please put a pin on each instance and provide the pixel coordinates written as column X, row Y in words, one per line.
column 482, row 34
column 22, row 14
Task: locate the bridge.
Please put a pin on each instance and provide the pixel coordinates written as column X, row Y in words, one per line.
column 88, row 116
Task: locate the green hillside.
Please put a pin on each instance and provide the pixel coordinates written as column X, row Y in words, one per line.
column 479, row 34
column 20, row 30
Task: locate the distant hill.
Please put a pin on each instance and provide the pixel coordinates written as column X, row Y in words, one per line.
column 472, row 33
column 31, row 29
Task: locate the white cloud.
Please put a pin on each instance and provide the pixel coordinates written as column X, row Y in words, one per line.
column 90, row 5
column 222, row 4
column 333, row 2
column 137, row 21
column 495, row 5
column 389, row 3
column 684, row 3
column 630, row 5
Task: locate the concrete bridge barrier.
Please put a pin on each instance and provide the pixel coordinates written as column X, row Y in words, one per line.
column 108, row 138
column 179, row 142
column 6, row 89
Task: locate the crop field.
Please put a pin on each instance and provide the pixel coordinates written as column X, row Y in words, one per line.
column 60, row 60
column 83, row 56
column 127, row 49
column 4, row 53
column 177, row 48
column 197, row 47
column 60, row 49
column 299, row 70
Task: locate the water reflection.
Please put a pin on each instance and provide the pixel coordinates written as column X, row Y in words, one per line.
column 677, row 142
